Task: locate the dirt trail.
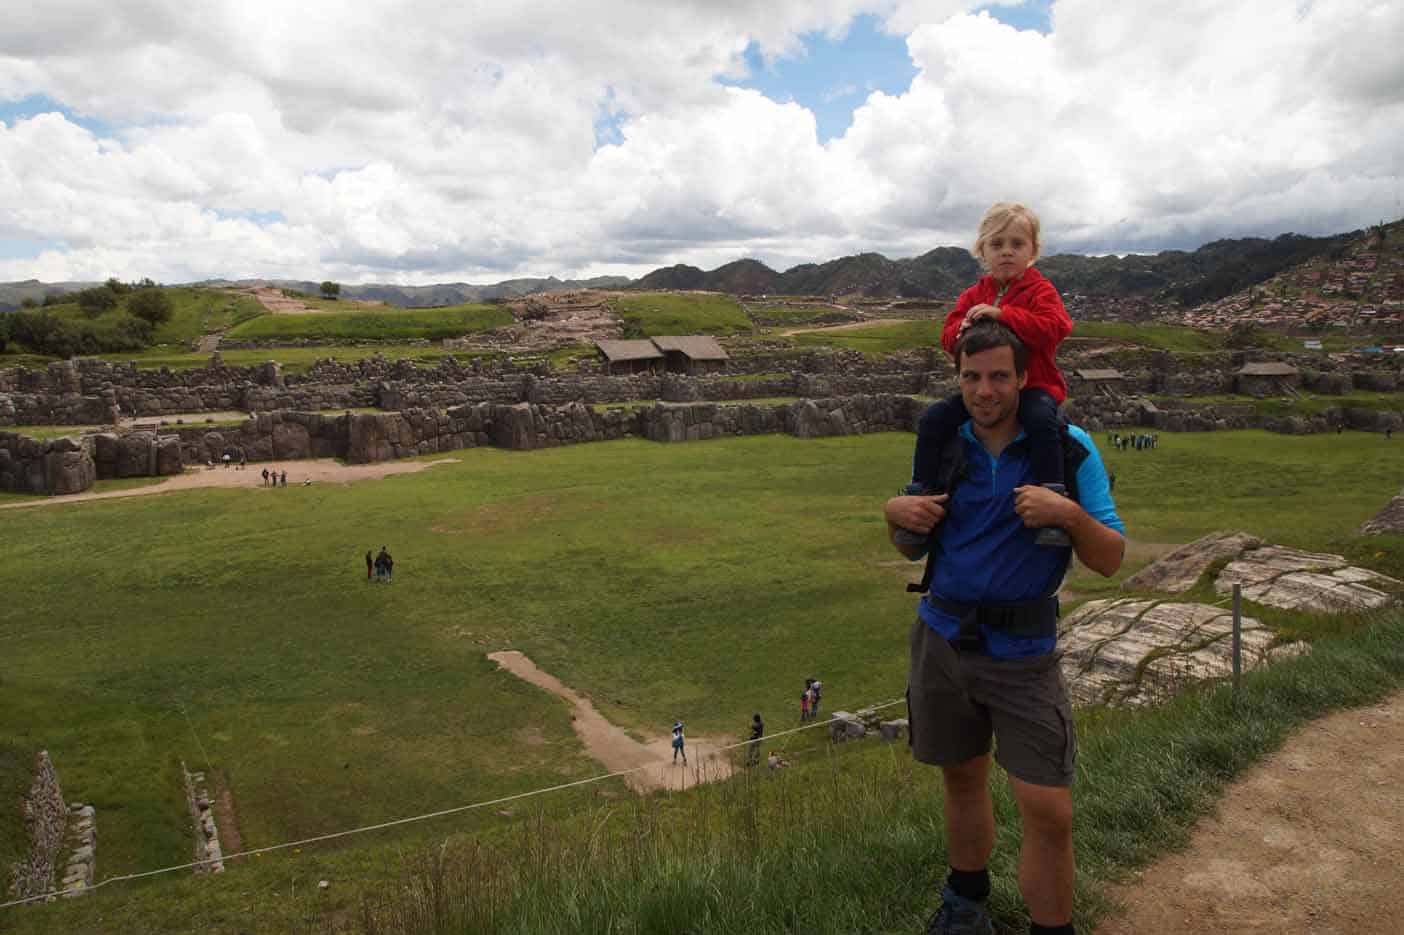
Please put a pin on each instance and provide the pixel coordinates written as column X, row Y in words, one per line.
column 615, row 749
column 318, row 470
column 1312, row 840
column 845, row 327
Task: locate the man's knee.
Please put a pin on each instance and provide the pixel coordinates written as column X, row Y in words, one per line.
column 968, row 779
column 1046, row 810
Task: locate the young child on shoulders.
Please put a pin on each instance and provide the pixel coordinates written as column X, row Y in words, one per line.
column 1014, row 292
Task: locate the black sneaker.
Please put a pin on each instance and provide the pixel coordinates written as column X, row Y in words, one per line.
column 960, row 916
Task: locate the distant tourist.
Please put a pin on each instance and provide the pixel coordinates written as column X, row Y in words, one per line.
column 285, row 477
column 1017, row 295
column 804, row 704
column 816, row 692
column 384, row 565
column 226, row 460
column 265, row 477
column 753, row 752
column 678, row 749
column 370, row 564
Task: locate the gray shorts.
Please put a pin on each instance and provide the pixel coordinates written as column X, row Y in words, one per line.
column 958, row 702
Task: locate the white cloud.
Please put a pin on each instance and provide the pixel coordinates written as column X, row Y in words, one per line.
column 455, row 142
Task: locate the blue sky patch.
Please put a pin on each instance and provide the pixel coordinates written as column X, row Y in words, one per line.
column 833, row 76
column 11, row 112
column 26, row 249
column 1036, row 15
column 261, row 218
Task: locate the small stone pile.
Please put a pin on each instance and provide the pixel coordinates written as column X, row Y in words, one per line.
column 207, row 849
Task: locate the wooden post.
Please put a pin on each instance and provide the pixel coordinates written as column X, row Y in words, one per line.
column 1237, row 636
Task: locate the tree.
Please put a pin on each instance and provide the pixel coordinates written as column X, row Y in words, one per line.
column 116, row 286
column 331, row 290
column 150, row 305
column 97, row 300
column 4, row 331
column 29, row 301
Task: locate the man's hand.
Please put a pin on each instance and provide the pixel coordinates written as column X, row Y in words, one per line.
column 918, row 514
column 1099, row 547
column 915, row 514
column 1039, row 507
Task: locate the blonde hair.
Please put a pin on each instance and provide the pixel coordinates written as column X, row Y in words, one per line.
column 1000, row 216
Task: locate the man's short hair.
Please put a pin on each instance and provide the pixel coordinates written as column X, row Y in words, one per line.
column 987, row 335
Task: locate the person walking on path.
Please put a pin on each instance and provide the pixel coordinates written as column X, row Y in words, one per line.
column 678, row 749
column 265, row 477
column 370, row 562
column 753, row 752
column 982, row 651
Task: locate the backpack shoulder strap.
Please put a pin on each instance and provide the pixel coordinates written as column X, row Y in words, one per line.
column 948, row 474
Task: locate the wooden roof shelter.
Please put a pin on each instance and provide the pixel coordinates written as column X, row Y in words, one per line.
column 694, row 346
column 621, row 351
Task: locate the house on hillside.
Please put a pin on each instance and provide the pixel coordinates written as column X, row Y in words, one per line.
column 1267, row 378
column 625, row 357
column 691, row 354
column 1104, row 381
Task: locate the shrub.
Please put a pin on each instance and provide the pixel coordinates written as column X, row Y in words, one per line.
column 150, row 305
column 97, row 300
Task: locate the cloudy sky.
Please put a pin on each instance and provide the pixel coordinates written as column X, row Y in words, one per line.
column 418, row 142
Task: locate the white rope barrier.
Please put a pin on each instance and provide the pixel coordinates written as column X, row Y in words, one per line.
column 417, row 818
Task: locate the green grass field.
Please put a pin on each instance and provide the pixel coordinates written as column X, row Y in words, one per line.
column 701, row 581
column 656, row 313
column 379, row 324
column 877, row 339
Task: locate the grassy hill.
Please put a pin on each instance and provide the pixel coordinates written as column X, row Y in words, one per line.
column 656, row 313
column 380, row 324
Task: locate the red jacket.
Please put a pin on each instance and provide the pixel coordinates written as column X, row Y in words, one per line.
column 1032, row 308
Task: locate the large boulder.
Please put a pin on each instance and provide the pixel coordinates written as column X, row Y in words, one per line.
column 1313, row 581
column 68, row 471
column 1179, row 570
column 168, row 456
column 291, row 441
column 1390, row 518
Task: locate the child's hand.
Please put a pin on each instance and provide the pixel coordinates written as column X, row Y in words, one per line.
column 983, row 311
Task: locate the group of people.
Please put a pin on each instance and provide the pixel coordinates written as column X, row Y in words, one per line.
column 381, row 567
column 810, row 698
column 1003, row 493
column 1138, row 442
column 273, row 479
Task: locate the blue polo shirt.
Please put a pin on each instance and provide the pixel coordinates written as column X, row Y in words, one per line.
column 985, row 554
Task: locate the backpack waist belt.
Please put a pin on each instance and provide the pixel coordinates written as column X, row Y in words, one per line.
column 1027, row 619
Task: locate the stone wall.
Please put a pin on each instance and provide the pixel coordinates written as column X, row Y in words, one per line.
column 362, row 438
column 46, row 821
column 86, row 391
column 57, row 466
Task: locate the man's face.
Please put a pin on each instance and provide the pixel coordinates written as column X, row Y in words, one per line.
column 990, row 386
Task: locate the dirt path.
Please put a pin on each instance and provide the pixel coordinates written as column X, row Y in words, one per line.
column 318, row 470
column 615, row 749
column 847, row 327
column 1310, row 841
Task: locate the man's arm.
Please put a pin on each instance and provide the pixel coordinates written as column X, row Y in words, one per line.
column 1099, row 547
column 915, row 514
